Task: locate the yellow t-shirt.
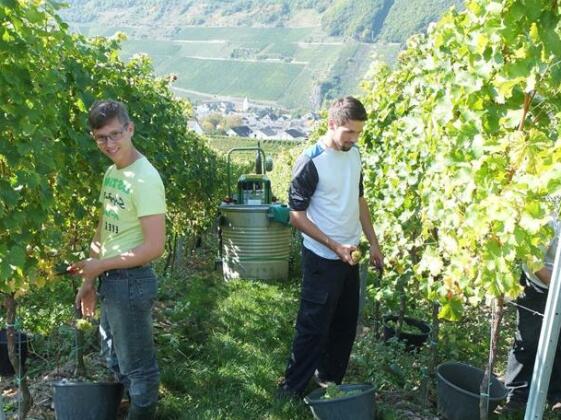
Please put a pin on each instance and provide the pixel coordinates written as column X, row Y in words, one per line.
column 126, row 195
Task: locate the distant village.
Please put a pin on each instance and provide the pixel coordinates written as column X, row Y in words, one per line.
column 244, row 120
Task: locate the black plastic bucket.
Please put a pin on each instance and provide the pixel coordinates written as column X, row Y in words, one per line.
column 412, row 341
column 86, row 400
column 458, row 391
column 6, row 368
column 359, row 406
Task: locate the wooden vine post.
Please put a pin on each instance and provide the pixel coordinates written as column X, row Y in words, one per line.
column 14, row 345
column 484, row 390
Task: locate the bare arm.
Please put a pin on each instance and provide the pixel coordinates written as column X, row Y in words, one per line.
column 154, row 232
column 376, row 256
column 95, row 246
column 300, row 221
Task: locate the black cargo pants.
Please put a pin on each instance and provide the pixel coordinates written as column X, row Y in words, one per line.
column 326, row 323
column 522, row 356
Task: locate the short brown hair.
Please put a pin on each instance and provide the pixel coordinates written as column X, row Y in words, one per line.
column 347, row 109
column 102, row 112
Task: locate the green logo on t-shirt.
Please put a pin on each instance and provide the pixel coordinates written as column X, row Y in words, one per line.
column 118, row 184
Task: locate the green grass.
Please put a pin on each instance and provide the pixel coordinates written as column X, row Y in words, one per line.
column 225, row 346
column 266, row 81
column 205, row 49
column 222, row 346
column 225, row 349
column 314, row 53
column 151, row 47
column 286, row 49
column 246, row 34
column 178, row 49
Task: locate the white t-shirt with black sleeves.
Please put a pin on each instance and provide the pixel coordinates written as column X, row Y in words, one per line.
column 327, row 184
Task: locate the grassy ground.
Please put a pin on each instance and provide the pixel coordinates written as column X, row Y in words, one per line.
column 223, row 346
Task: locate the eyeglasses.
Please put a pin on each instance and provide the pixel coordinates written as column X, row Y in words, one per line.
column 113, row 136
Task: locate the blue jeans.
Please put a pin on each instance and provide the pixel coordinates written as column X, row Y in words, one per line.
column 127, row 343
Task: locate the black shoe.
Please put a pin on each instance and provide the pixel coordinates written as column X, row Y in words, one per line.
column 142, row 413
column 286, row 394
column 322, row 383
column 512, row 407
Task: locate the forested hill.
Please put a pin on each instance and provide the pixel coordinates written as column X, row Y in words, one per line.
column 363, row 20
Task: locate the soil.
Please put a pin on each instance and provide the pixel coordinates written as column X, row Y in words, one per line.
column 42, row 391
column 404, row 405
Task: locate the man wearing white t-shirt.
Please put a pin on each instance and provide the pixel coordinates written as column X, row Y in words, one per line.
column 328, row 207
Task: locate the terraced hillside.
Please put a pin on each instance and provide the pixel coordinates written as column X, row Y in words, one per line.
column 300, row 54
column 294, row 68
column 364, row 20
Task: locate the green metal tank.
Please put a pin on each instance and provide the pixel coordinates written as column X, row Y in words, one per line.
column 255, row 241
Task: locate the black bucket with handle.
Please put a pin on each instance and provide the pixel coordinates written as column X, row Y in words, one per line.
column 458, row 387
column 86, row 400
column 358, row 405
column 412, row 340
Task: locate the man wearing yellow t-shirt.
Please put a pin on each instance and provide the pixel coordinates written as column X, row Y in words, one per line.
column 130, row 234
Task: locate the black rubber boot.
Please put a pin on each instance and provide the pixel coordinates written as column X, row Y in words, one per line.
column 142, row 413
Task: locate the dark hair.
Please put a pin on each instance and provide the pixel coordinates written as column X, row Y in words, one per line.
column 102, row 112
column 347, row 109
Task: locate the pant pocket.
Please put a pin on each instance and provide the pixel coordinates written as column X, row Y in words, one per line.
column 142, row 292
column 314, row 312
column 113, row 291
